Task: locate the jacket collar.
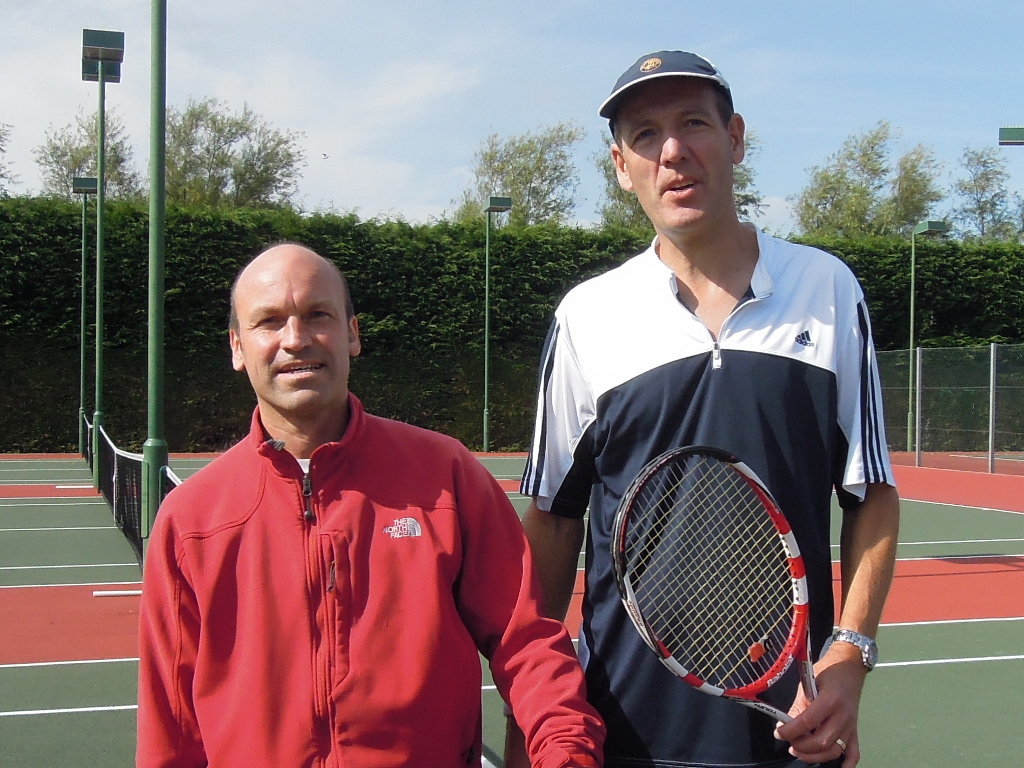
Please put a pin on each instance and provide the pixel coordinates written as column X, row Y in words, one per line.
column 328, row 454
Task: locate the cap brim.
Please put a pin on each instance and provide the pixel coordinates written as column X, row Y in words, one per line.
column 609, row 106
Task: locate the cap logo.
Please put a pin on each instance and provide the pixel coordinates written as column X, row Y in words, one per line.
column 650, row 65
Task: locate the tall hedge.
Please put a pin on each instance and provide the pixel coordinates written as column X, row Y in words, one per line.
column 419, row 293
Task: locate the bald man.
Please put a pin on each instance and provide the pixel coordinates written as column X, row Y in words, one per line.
column 318, row 595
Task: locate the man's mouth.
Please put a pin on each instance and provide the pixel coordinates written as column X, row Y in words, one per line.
column 300, row 368
column 681, row 186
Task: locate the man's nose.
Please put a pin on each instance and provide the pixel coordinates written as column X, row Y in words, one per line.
column 673, row 149
column 295, row 335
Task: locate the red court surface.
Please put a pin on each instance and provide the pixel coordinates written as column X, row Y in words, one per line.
column 45, row 491
column 68, row 623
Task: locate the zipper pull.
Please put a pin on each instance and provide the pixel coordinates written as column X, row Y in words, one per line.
column 307, row 491
column 716, row 356
column 330, row 581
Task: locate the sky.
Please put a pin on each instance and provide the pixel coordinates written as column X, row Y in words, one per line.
column 394, row 97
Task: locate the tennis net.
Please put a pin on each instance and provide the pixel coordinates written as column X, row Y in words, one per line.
column 120, row 478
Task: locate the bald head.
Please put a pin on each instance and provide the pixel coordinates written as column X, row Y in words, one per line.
column 294, row 334
column 284, row 256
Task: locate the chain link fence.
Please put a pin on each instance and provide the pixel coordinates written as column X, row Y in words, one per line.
column 956, row 407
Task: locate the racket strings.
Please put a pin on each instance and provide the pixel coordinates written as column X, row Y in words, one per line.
column 709, row 572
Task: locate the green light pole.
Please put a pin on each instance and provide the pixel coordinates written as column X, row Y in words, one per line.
column 102, row 54
column 494, row 205
column 154, row 450
column 919, row 228
column 84, row 186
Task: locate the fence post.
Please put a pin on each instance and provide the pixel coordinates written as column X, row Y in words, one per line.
column 917, row 410
column 992, row 409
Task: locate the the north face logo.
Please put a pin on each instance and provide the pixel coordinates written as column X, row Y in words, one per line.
column 403, row 527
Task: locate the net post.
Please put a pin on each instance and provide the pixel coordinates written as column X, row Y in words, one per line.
column 154, row 459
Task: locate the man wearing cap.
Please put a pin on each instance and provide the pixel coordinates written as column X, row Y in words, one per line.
column 717, row 335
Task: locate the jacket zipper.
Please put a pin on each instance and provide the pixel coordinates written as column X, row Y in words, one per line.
column 307, row 493
column 321, row 705
column 716, row 347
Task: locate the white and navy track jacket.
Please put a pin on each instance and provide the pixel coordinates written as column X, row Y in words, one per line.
column 790, row 386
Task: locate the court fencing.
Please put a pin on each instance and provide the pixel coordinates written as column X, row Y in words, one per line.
column 955, row 407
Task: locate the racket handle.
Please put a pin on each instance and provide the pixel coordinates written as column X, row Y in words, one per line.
column 807, row 678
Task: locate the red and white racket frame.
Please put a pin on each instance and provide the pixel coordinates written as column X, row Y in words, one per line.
column 796, row 646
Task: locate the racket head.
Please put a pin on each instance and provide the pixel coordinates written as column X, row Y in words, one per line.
column 710, row 573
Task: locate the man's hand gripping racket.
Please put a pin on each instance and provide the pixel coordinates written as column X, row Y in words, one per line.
column 711, row 575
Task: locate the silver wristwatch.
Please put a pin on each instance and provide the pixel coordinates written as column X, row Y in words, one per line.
column 868, row 647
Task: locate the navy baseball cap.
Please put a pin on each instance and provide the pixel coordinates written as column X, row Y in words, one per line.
column 662, row 64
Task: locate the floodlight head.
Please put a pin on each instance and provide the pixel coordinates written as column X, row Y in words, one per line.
column 101, row 45
column 84, row 185
column 930, row 226
column 91, row 71
column 498, row 205
column 1011, row 137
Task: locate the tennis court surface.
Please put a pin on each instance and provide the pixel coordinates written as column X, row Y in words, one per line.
column 946, row 692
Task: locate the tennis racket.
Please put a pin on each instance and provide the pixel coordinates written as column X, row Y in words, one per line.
column 711, row 576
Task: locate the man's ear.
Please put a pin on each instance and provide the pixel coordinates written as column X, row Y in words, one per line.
column 354, row 345
column 737, row 132
column 237, row 362
column 620, row 168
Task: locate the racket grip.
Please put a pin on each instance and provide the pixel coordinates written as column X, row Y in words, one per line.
column 807, row 678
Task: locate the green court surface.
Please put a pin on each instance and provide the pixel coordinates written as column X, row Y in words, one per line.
column 947, row 691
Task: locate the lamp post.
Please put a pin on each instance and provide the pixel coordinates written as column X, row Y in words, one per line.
column 919, row 228
column 102, row 54
column 84, row 186
column 154, row 450
column 494, row 205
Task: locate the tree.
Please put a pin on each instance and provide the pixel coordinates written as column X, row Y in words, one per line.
column 986, row 211
column 218, row 158
column 535, row 169
column 71, row 151
column 621, row 208
column 6, row 177
column 859, row 191
column 749, row 202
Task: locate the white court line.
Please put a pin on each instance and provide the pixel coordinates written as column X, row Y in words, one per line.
column 956, row 557
column 55, row 567
column 950, row 541
column 77, row 662
column 68, row 528
column 1014, row 555
column 962, row 506
column 74, row 711
column 954, row 541
column 27, row 500
column 30, row 502
column 951, row 621
column 71, row 584
column 925, row 662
